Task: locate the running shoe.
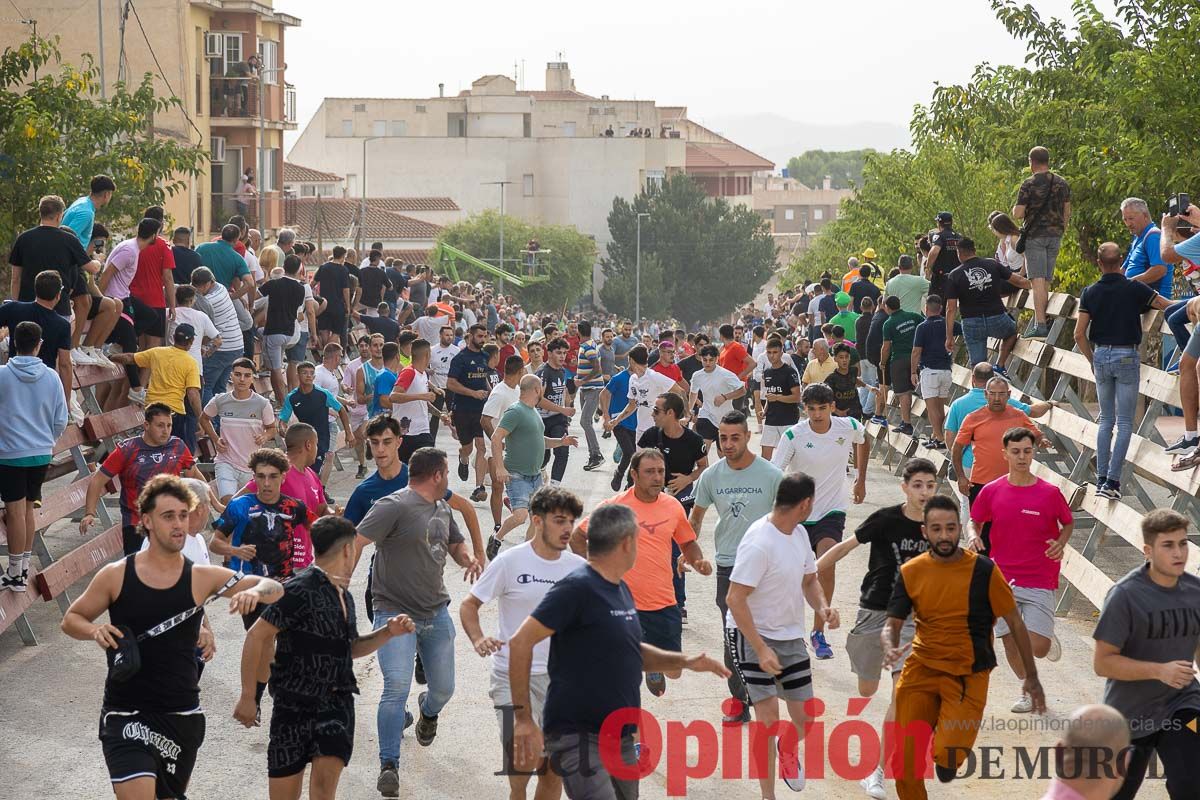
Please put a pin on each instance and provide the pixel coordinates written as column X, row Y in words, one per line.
column 1111, row 490
column 464, row 470
column 81, row 357
column 426, row 729
column 616, row 483
column 493, row 547
column 14, row 583
column 137, row 396
column 790, row 769
column 936, row 444
column 656, row 682
column 1055, row 651
column 880, row 420
column 593, row 462
column 1022, row 706
column 1183, row 446
column 361, row 472
column 606, row 435
column 419, row 670
column 1001, row 371
column 98, row 356
column 739, row 718
column 821, row 648
column 388, row 784
column 1037, row 331
column 479, row 495
column 873, row 785
column 906, row 428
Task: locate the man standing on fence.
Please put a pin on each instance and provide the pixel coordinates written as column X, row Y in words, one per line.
column 1030, row 523
column 1044, row 203
column 1146, row 642
column 1108, row 333
column 973, row 290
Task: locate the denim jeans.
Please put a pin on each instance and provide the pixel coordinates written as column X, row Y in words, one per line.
column 1117, row 372
column 976, row 331
column 589, row 399
column 1177, row 319
column 217, row 368
column 870, row 376
column 434, row 640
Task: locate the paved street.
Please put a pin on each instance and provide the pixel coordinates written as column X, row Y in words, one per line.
column 53, row 699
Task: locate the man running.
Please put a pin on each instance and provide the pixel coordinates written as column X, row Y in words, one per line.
column 501, row 398
column 613, row 400
column 894, row 534
column 718, row 387
column 765, row 623
column 557, row 405
column 468, row 379
column 517, row 581
column 644, row 385
column 591, row 379
column 597, row 656
column 780, row 396
column 314, row 637
column 950, row 593
column 247, row 423
column 661, row 520
column 311, row 405
column 440, row 356
column 1030, row 524
column 1146, row 644
column 413, row 532
column 151, row 724
column 741, row 486
column 735, row 359
column 410, row 401
column 821, row 446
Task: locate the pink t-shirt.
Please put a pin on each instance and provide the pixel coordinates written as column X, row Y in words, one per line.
column 1024, row 519
column 306, row 487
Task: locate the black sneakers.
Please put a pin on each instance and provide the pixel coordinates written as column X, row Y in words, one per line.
column 593, row 463
column 493, row 547
column 479, row 495
column 464, row 470
column 388, row 784
column 419, row 671
column 361, row 473
column 426, row 729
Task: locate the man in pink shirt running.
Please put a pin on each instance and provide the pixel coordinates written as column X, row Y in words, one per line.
column 1030, row 524
column 301, row 483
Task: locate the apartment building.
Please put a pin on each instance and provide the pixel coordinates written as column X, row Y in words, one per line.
column 795, row 212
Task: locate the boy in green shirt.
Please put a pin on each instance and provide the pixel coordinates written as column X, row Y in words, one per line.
column 898, row 333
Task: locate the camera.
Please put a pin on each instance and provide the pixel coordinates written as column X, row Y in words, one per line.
column 1178, row 204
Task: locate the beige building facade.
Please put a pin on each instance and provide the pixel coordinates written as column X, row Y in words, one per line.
column 795, row 212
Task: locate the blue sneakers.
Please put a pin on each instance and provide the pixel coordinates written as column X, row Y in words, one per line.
column 821, row 648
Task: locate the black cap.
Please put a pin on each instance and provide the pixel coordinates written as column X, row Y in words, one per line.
column 944, row 216
column 184, row 333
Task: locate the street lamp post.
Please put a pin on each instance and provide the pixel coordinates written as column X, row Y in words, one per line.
column 637, row 290
column 501, row 184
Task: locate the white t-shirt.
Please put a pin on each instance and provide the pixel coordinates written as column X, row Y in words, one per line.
column 439, row 362
column 518, row 579
column 430, row 328
column 759, row 349
column 825, row 457
column 711, row 384
column 417, row 411
column 195, row 549
column 252, row 264
column 814, row 311
column 203, row 325
column 500, row 399
column 302, row 314
column 329, row 382
column 774, row 562
column 643, row 391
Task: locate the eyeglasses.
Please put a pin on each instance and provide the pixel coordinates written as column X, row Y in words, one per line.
column 656, row 411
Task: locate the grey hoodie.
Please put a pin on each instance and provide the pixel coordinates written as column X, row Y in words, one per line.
column 34, row 408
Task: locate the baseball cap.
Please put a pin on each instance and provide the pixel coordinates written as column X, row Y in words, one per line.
column 185, row 333
column 841, row 298
column 537, row 336
column 944, row 216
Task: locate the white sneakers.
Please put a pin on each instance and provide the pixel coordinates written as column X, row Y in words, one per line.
column 1055, row 652
column 76, row 411
column 137, row 396
column 1022, row 706
column 790, row 769
column 89, row 357
column 873, row 785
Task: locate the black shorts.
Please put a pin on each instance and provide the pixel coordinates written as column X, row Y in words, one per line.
column 163, row 746
column 468, row 426
column 556, row 426
column 662, row 628
column 411, row 444
column 830, row 526
column 332, row 320
column 302, row 732
column 900, row 373
column 706, row 429
column 146, row 320
column 95, row 309
column 248, row 620
column 22, row 483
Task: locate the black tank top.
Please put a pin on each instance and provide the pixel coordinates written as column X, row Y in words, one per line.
column 169, row 679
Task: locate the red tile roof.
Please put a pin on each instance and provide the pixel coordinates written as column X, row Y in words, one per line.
column 294, row 173
column 405, row 256
column 402, row 204
column 339, row 215
column 709, row 156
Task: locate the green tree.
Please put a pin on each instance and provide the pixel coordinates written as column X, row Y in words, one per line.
column 568, row 265
column 844, row 167
column 709, row 256
column 56, row 132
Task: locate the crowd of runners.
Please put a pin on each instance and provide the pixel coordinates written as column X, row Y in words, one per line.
column 758, row 423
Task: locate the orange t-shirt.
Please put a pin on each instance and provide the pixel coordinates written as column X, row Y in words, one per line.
column 955, row 604
column 658, row 523
column 733, row 357
column 984, row 430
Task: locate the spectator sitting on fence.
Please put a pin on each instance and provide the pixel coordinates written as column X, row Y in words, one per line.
column 1108, row 332
column 1175, row 248
column 35, row 416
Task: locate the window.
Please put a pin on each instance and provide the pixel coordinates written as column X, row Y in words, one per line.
column 269, row 181
column 818, row 214
column 360, row 108
column 398, row 127
column 420, row 109
column 379, row 128
column 789, row 214
column 568, row 129
column 347, row 127
column 268, row 53
column 289, row 104
column 527, row 185
column 654, row 179
column 233, row 50
column 308, row 190
column 352, row 185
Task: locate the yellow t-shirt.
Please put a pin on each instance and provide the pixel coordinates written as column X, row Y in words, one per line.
column 816, row 372
column 172, row 373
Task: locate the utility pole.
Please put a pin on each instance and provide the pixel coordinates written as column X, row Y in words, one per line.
column 637, row 291
column 100, row 42
column 501, row 184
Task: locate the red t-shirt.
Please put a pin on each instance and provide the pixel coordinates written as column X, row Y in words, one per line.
column 572, row 352
column 238, row 246
column 672, row 371
column 147, row 283
column 134, row 462
column 734, row 357
column 505, row 352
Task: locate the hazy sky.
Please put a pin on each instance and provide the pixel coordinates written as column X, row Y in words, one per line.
column 815, row 61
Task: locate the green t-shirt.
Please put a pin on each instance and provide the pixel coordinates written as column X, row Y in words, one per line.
column 846, row 319
column 741, row 496
column 899, row 329
column 525, row 445
column 911, row 289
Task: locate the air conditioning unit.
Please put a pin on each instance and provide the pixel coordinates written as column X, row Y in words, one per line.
column 217, row 149
column 214, row 45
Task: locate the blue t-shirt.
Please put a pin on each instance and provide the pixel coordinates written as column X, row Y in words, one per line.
column 1144, row 254
column 385, row 380
column 960, row 408
column 470, row 368
column 1190, row 249
column 618, row 399
column 370, row 490
column 595, row 653
column 81, row 218
column 931, row 338
column 313, row 409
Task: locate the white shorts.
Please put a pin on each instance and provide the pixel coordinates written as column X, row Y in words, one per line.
column 936, row 383
column 230, row 478
column 1036, row 607
column 772, row 434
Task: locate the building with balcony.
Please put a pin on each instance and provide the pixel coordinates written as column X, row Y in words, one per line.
column 199, row 51
column 559, row 155
column 795, row 212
